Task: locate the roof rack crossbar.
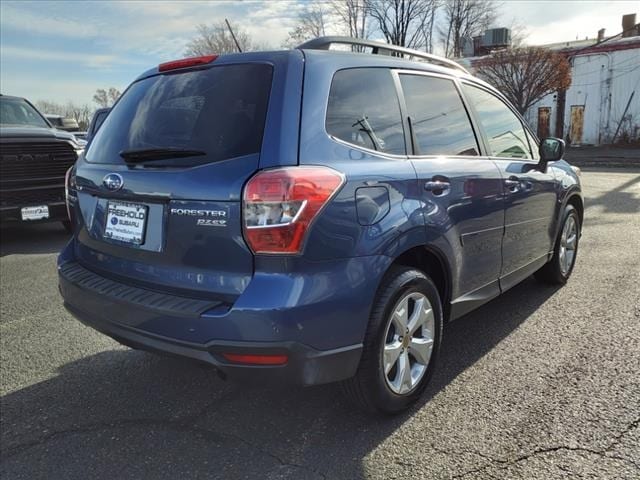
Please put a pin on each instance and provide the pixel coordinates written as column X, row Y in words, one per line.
column 378, row 48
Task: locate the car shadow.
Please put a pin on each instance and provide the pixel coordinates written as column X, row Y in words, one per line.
column 621, row 199
column 36, row 238
column 128, row 414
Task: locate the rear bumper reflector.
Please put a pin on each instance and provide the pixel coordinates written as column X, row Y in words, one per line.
column 256, row 359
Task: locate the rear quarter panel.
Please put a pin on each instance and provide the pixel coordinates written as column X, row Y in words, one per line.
column 337, row 232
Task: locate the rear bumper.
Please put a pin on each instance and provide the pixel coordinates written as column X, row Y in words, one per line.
column 159, row 322
column 305, row 365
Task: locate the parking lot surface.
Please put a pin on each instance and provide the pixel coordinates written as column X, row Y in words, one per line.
column 542, row 382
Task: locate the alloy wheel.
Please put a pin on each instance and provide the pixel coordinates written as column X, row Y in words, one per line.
column 568, row 244
column 408, row 345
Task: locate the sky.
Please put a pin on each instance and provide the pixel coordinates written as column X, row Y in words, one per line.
column 64, row 50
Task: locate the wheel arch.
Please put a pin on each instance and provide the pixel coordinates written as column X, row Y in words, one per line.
column 575, row 200
column 432, row 262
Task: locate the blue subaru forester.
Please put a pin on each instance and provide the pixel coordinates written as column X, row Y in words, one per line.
column 312, row 215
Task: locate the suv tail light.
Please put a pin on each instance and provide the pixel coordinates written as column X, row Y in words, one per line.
column 70, row 190
column 280, row 205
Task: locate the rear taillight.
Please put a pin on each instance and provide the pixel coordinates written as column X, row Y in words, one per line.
column 186, row 62
column 69, row 190
column 280, row 205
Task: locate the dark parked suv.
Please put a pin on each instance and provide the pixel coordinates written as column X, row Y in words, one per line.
column 34, row 158
column 312, row 215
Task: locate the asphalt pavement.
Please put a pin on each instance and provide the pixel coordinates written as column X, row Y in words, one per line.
column 542, row 382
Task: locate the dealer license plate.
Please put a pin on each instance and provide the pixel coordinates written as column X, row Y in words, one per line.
column 126, row 222
column 35, row 213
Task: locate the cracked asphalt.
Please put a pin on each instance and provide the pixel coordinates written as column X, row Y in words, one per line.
column 540, row 383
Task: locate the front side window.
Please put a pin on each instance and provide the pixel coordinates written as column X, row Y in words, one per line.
column 439, row 120
column 364, row 110
column 533, row 143
column 504, row 130
column 18, row 112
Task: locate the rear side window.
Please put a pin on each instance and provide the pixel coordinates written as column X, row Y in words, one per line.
column 504, row 130
column 439, row 120
column 364, row 110
column 219, row 111
column 100, row 116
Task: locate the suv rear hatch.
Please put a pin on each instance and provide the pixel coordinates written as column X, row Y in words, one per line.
column 159, row 190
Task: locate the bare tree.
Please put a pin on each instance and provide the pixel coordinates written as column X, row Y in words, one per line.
column 519, row 34
column 352, row 16
column 312, row 22
column 81, row 113
column 429, row 25
column 526, row 75
column 101, row 98
column 106, row 98
column 47, row 106
column 465, row 19
column 217, row 39
column 403, row 22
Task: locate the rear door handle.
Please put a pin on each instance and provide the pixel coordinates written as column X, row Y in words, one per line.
column 437, row 187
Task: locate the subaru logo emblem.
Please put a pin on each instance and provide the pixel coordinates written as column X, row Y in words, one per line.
column 113, row 181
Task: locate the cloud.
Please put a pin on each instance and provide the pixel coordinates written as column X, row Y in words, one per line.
column 25, row 20
column 568, row 19
column 75, row 58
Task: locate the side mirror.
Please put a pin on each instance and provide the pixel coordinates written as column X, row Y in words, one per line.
column 551, row 149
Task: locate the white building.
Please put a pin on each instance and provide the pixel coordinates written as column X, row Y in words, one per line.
column 604, row 96
column 605, row 81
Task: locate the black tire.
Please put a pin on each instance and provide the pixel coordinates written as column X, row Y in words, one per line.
column 369, row 388
column 553, row 272
column 67, row 226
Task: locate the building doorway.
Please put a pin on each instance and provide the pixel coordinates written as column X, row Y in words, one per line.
column 544, row 115
column 577, row 121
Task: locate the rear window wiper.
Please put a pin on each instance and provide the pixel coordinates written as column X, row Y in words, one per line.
column 365, row 127
column 150, row 154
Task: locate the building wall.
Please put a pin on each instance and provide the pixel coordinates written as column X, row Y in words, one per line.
column 601, row 83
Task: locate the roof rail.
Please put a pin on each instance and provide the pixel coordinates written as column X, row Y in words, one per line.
column 378, row 48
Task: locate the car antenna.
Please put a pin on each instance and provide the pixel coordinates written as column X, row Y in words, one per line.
column 233, row 36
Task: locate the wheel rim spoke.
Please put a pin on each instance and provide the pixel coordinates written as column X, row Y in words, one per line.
column 421, row 348
column 404, row 373
column 401, row 314
column 568, row 259
column 420, row 316
column 391, row 353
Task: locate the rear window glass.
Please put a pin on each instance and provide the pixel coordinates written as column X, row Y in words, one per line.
column 364, row 110
column 220, row 111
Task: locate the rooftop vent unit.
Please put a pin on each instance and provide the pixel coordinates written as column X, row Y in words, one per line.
column 496, row 37
column 629, row 26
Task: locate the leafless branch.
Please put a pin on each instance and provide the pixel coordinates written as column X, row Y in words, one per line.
column 526, row 75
